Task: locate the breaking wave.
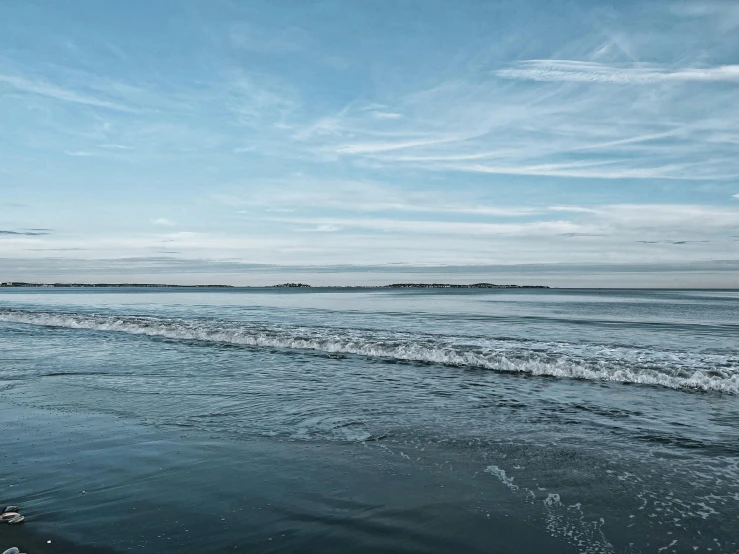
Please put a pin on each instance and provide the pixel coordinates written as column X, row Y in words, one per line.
column 673, row 369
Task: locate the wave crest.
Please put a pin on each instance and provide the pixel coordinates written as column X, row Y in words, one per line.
column 677, row 370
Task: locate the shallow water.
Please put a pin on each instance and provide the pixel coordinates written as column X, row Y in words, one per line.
column 377, row 420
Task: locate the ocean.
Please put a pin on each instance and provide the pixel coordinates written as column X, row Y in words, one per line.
column 371, row 420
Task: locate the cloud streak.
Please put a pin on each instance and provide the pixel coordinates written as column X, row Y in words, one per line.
column 632, row 74
column 616, row 220
column 50, row 90
column 289, row 195
column 28, row 233
column 544, row 120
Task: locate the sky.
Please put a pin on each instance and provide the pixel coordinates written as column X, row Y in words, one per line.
column 568, row 143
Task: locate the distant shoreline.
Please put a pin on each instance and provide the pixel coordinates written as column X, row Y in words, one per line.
column 13, row 284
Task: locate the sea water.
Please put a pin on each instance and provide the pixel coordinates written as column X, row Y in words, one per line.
column 368, row 420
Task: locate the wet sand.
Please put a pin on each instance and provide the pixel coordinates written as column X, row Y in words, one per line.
column 163, row 490
column 31, row 541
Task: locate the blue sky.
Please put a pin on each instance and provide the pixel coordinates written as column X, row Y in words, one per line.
column 241, row 142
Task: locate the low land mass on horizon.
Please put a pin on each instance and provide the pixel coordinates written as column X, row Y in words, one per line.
column 283, row 285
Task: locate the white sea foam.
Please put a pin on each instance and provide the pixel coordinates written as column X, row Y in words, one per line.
column 677, row 370
column 563, row 522
column 502, row 477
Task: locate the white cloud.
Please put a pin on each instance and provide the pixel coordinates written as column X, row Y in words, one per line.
column 51, row 90
column 725, row 14
column 682, row 218
column 373, row 107
column 537, row 228
column 678, row 221
column 573, row 209
column 386, row 115
column 597, row 170
column 115, row 146
column 558, row 128
column 373, row 147
column 254, row 101
column 326, row 228
column 736, row 196
column 592, row 72
column 289, row 195
column 163, row 221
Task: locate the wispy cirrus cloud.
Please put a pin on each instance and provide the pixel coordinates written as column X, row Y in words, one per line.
column 692, row 218
column 547, row 120
column 724, row 13
column 627, row 74
column 388, row 146
column 386, row 115
column 51, row 90
column 325, row 228
column 300, row 194
column 614, row 220
column 447, row 228
column 116, row 146
column 600, row 170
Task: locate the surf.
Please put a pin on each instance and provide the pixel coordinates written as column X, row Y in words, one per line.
column 592, row 362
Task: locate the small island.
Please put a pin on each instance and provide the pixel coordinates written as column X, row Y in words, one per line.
column 456, row 286
column 107, row 285
column 282, row 285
